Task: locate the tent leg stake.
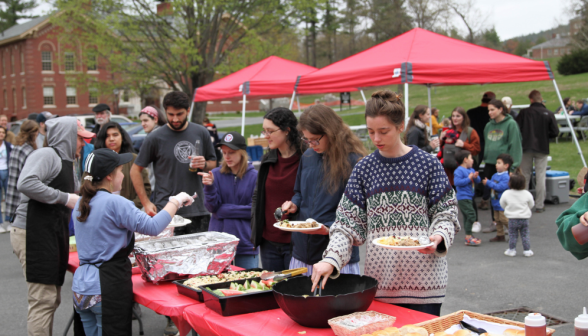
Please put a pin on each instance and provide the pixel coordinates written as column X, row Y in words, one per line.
column 573, row 133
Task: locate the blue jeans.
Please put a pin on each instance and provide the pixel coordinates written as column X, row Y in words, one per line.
column 275, row 256
column 428, row 308
column 247, row 261
column 3, row 187
column 92, row 319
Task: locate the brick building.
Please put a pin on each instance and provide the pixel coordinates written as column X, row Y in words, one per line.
column 34, row 64
column 560, row 43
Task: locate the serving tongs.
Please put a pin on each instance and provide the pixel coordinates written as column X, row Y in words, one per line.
column 318, row 288
column 470, row 327
column 279, row 276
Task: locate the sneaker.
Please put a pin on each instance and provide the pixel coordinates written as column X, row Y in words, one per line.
column 2, row 229
column 539, row 210
column 476, row 227
column 170, row 329
column 528, row 253
column 511, row 253
column 490, row 229
column 473, row 241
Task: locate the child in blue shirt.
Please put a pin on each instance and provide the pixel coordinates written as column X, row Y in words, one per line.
column 498, row 184
column 465, row 179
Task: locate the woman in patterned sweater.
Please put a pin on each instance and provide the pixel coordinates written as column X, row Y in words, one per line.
column 397, row 190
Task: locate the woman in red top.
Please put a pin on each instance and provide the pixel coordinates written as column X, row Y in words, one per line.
column 459, row 123
column 275, row 185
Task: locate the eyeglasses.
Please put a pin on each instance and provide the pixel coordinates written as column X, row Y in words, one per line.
column 268, row 133
column 312, row 142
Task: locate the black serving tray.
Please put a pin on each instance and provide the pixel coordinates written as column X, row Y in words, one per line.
column 238, row 304
column 196, row 293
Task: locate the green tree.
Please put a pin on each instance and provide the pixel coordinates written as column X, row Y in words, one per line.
column 350, row 20
column 490, row 38
column 13, row 10
column 389, row 19
column 581, row 37
column 183, row 45
column 522, row 47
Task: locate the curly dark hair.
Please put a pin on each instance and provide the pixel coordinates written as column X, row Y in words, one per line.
column 287, row 122
column 177, row 100
column 127, row 143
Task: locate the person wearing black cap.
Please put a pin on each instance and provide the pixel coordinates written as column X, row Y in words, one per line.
column 229, row 190
column 102, row 116
column 105, row 224
column 41, row 119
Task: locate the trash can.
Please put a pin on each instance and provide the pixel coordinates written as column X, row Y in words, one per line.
column 557, row 186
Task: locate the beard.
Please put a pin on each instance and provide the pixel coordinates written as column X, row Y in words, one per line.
column 101, row 121
column 180, row 127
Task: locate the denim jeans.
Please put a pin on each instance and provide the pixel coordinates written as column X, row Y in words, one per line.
column 428, row 308
column 92, row 319
column 3, row 187
column 275, row 256
column 247, row 261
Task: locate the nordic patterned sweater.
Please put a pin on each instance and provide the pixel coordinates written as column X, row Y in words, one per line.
column 405, row 196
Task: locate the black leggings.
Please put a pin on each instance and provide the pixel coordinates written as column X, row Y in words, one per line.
column 489, row 171
column 428, row 308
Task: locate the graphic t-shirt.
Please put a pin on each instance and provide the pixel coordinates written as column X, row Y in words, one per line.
column 168, row 150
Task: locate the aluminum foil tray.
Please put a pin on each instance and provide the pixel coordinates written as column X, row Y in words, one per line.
column 205, row 253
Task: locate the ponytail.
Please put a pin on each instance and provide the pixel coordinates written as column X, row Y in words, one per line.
column 88, row 191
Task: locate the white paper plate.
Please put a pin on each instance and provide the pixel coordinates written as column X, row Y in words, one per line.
column 178, row 224
column 401, row 248
column 277, row 225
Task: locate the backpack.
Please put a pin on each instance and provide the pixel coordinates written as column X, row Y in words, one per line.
column 450, row 151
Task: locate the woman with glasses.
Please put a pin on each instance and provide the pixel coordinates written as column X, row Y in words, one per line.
column 322, row 176
column 275, row 185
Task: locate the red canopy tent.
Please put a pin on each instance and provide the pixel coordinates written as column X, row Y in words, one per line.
column 423, row 57
column 271, row 77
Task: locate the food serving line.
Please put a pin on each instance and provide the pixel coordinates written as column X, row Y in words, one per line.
column 253, row 302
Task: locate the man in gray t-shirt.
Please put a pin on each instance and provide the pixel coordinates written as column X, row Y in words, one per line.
column 172, row 148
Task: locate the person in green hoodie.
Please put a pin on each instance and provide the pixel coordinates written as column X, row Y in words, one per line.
column 576, row 214
column 502, row 136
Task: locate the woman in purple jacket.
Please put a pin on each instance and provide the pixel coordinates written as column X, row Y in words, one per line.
column 228, row 191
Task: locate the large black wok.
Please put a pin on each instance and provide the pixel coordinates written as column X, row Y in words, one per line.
column 347, row 294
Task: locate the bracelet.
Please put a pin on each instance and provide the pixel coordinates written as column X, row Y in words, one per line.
column 205, row 165
column 173, row 201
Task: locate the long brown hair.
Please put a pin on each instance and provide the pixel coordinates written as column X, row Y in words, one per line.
column 499, row 105
column 466, row 120
column 27, row 134
column 88, row 191
column 225, row 169
column 419, row 110
column 322, row 120
column 388, row 104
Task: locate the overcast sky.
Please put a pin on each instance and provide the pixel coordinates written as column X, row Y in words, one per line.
column 511, row 18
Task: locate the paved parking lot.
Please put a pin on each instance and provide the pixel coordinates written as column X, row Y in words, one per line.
column 481, row 279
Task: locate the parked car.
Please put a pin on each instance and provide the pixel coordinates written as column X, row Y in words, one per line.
column 87, row 120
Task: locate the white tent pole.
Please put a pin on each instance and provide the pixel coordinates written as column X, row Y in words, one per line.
column 243, row 119
column 363, row 96
column 406, row 116
column 569, row 123
column 430, row 110
column 191, row 111
column 292, row 100
column 298, row 102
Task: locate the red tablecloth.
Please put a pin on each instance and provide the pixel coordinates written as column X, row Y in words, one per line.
column 276, row 323
column 162, row 298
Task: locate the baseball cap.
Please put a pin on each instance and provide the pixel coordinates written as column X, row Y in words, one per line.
column 83, row 133
column 488, row 96
column 44, row 116
column 102, row 162
column 233, row 140
column 100, row 107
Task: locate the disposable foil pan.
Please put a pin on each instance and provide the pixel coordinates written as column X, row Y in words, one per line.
column 205, row 253
column 166, row 233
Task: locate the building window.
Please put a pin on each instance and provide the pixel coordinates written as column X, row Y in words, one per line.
column 92, row 65
column 22, row 64
column 3, row 65
column 5, row 99
column 70, row 93
column 125, row 96
column 48, row 95
column 46, row 61
column 24, row 97
column 93, row 93
column 14, row 99
column 556, row 52
column 70, row 64
column 12, row 62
